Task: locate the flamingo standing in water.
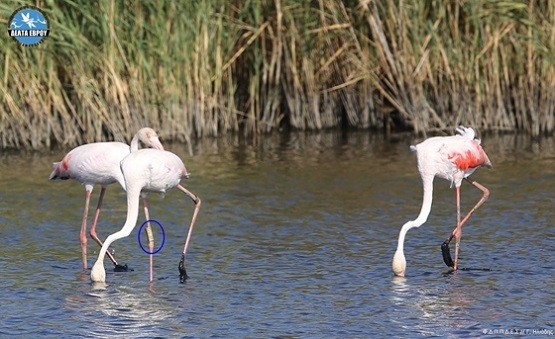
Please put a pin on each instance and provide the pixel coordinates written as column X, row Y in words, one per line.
column 99, row 163
column 453, row 158
column 148, row 170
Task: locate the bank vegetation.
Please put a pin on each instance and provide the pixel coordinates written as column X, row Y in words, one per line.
column 200, row 68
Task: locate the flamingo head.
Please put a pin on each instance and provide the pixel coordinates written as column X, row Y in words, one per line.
column 98, row 273
column 149, row 137
column 399, row 263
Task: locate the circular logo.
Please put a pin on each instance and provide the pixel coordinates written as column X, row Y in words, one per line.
column 152, row 222
column 28, row 26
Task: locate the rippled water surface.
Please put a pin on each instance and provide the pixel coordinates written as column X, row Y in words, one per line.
column 294, row 239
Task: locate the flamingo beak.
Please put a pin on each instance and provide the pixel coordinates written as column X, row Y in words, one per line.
column 155, row 143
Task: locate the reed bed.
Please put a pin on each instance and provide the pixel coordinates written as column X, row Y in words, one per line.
column 201, row 68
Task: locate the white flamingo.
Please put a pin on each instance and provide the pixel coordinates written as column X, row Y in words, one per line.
column 148, row 170
column 453, row 158
column 99, row 163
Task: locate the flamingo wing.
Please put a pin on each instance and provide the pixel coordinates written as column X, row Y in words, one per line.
column 465, row 154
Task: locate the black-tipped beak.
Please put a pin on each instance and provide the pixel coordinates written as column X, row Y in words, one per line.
column 446, row 254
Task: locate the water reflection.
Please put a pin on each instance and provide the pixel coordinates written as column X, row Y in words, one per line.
column 441, row 310
column 120, row 310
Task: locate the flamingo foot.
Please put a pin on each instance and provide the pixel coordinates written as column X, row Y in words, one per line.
column 182, row 272
column 447, row 253
column 122, row 268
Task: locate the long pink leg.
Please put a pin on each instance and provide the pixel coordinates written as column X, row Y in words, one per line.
column 457, row 232
column 485, row 196
column 83, row 231
column 196, row 200
column 92, row 231
column 458, row 229
column 150, row 238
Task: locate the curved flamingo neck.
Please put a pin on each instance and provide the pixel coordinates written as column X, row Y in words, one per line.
column 428, row 186
column 135, row 143
column 133, row 195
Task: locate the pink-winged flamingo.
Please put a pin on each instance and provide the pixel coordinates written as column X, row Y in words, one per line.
column 99, row 163
column 453, row 158
column 148, row 170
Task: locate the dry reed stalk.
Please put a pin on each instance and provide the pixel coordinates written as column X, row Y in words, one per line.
column 213, row 66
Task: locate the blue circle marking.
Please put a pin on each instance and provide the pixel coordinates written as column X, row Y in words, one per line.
column 151, row 221
column 28, row 25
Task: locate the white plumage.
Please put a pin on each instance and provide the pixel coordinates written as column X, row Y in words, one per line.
column 99, row 163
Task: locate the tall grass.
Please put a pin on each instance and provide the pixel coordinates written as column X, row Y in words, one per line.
column 209, row 67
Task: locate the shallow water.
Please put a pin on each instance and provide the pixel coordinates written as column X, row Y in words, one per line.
column 294, row 239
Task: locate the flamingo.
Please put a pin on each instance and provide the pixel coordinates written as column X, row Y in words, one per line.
column 99, row 163
column 148, row 170
column 453, row 158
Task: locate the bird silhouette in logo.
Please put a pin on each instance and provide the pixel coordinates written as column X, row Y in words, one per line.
column 28, row 20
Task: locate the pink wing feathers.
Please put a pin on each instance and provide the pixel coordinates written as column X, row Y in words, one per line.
column 466, row 151
column 468, row 155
